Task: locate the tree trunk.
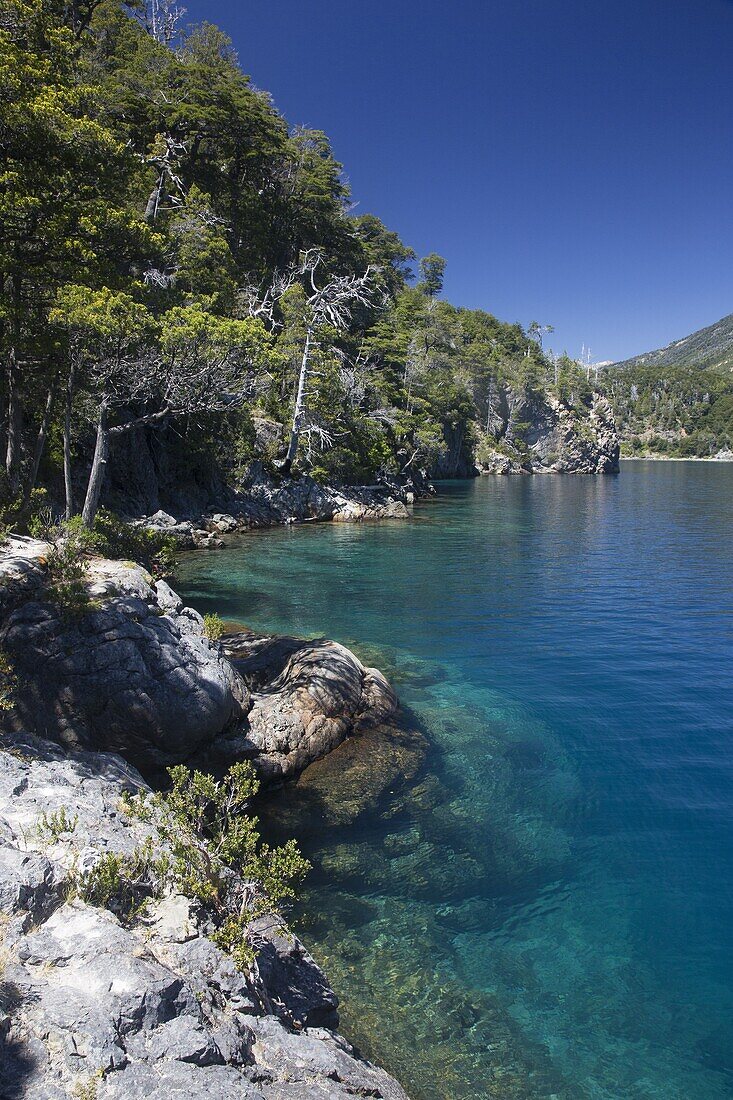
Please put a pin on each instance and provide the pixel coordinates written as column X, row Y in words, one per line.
column 68, row 484
column 40, row 443
column 151, row 210
column 99, row 468
column 300, row 403
column 15, row 425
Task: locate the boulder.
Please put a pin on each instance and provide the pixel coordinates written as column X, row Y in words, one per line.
column 306, row 698
column 133, row 674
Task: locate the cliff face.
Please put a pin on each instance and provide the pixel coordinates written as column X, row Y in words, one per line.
column 455, row 459
column 94, row 1008
column 539, row 434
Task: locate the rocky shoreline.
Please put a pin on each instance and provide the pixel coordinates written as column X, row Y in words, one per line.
column 266, row 501
column 91, row 1007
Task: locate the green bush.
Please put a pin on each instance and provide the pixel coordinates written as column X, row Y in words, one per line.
column 117, row 539
column 67, row 570
column 213, row 627
column 124, row 883
column 57, row 824
column 8, row 681
column 217, row 857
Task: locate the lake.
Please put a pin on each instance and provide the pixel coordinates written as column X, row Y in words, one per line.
column 546, row 910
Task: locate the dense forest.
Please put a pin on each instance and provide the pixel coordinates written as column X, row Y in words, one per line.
column 175, row 259
column 680, row 411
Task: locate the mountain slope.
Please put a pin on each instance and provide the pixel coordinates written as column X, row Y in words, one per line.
column 708, row 347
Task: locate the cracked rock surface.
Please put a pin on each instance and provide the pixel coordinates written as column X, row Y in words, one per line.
column 92, row 1008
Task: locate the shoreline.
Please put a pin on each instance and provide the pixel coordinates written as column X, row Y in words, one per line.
column 674, row 458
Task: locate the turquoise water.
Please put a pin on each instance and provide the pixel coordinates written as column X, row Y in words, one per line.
column 546, row 908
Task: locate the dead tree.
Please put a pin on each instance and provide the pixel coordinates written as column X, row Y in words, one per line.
column 327, row 306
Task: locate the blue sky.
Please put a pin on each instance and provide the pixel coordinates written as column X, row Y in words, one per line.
column 571, row 159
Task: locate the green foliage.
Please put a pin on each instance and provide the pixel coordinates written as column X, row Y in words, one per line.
column 124, row 883
column 114, row 538
column 87, row 1088
column 217, row 857
column 110, row 537
column 149, row 196
column 57, row 824
column 682, row 411
column 213, row 627
column 67, row 572
column 8, row 682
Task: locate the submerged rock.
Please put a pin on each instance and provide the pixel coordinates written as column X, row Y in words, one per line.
column 92, row 1007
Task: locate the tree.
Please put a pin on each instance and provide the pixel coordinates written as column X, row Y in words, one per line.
column 432, row 270
column 140, row 371
column 64, row 186
column 328, row 306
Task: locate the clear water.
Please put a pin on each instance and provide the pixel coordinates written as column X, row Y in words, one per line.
column 546, row 909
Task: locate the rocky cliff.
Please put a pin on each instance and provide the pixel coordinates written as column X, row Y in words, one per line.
column 537, row 433
column 136, row 674
column 151, row 473
column 97, row 1008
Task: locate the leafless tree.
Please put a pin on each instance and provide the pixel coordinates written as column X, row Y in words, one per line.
column 165, row 157
column 161, row 18
column 330, row 305
column 327, row 306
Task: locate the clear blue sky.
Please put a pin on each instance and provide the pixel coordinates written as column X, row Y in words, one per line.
column 571, row 159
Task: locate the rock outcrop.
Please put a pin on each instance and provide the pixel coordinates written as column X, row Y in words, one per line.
column 135, row 674
column 94, row 1008
column 132, row 674
column 540, row 434
column 306, row 698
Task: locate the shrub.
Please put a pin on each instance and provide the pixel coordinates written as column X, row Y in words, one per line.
column 213, row 627
column 68, row 571
column 117, row 539
column 8, row 682
column 217, row 856
column 57, row 824
column 124, row 883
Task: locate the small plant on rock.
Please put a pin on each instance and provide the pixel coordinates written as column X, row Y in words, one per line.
column 8, row 681
column 67, row 577
column 124, row 883
column 213, row 627
column 57, row 824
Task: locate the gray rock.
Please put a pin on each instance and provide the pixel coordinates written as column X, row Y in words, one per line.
column 539, row 434
column 134, row 674
column 154, row 1010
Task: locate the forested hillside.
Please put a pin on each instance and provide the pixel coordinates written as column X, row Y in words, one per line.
column 181, row 271
column 677, row 400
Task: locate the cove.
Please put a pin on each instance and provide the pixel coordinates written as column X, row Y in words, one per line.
column 544, row 909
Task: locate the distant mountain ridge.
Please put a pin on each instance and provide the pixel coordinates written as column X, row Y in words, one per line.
column 708, row 347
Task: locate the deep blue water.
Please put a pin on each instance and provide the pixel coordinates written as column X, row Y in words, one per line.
column 548, row 910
